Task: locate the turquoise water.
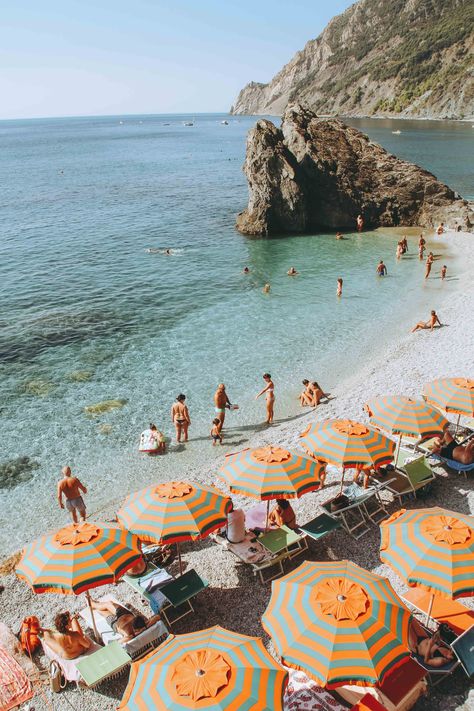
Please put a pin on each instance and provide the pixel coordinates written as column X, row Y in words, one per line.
column 88, row 315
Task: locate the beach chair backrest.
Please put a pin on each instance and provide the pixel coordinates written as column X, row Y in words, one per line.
column 418, row 471
column 148, row 637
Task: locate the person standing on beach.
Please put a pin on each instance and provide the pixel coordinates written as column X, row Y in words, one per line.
column 216, row 434
column 270, row 396
column 339, row 287
column 421, row 251
column 70, row 487
column 381, row 269
column 180, row 417
column 440, row 229
column 360, row 223
column 427, row 324
column 429, row 262
column 221, row 403
column 444, row 269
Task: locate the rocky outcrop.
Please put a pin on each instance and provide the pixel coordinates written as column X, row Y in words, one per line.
column 400, row 58
column 319, row 173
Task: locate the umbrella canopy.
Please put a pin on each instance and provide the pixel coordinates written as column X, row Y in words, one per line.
column 404, row 416
column 211, row 669
column 452, row 395
column 347, row 443
column 431, row 548
column 338, row 623
column 78, row 557
column 270, row 473
column 174, row 511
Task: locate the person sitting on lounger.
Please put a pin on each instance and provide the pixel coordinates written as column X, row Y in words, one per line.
column 282, row 515
column 447, row 447
column 235, row 529
column 139, row 568
column 430, row 648
column 123, row 621
column 68, row 640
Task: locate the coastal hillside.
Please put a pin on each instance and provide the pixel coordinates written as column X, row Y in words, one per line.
column 395, row 58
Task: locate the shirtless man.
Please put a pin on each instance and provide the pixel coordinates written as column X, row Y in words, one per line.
column 122, row 620
column 339, row 235
column 221, row 402
column 427, row 324
column 381, row 269
column 429, row 262
column 447, row 447
column 67, row 640
column 292, row 271
column 440, row 228
column 70, row 487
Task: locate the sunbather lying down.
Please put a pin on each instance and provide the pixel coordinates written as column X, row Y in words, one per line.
column 123, row 621
column 446, row 446
column 67, row 640
column 432, row 650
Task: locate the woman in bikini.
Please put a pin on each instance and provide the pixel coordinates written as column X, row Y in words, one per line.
column 431, row 649
column 270, row 396
column 180, row 417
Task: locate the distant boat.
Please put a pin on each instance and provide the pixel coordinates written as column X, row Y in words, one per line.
column 396, row 133
column 188, row 123
column 226, row 123
column 166, row 124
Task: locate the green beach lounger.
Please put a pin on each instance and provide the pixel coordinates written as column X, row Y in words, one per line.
column 106, row 663
column 320, row 526
column 179, row 593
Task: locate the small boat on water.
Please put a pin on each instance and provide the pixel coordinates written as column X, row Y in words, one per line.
column 396, row 133
column 225, row 123
column 188, row 123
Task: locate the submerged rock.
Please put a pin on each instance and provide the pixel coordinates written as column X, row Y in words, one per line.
column 315, row 173
column 80, row 376
column 39, row 387
column 105, row 429
column 16, row 471
column 105, row 406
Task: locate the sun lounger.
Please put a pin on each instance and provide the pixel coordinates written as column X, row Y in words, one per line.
column 284, row 540
column 457, row 616
column 365, row 507
column 399, row 691
column 251, row 552
column 463, row 648
column 105, row 664
column 320, row 526
column 69, row 666
column 458, row 467
column 406, row 480
column 138, row 646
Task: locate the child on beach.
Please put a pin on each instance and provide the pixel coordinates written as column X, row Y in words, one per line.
column 216, row 434
column 444, row 269
column 339, row 287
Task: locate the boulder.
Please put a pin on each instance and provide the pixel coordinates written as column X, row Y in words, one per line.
column 320, row 174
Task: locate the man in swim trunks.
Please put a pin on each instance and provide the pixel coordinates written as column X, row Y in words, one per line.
column 427, row 324
column 381, row 269
column 221, row 403
column 123, row 621
column 447, row 447
column 70, row 487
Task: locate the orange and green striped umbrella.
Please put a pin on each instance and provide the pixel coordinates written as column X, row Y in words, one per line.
column 431, row 548
column 347, row 443
column 174, row 511
column 270, row 473
column 451, row 395
column 78, row 557
column 338, row 623
column 212, row 669
column 404, row 416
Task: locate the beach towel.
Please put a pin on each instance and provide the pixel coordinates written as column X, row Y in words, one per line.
column 155, row 579
column 15, row 687
column 303, row 694
column 250, row 550
column 68, row 666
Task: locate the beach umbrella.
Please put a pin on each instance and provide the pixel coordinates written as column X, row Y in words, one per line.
column 451, row 395
column 270, row 473
column 174, row 511
column 347, row 444
column 338, row 623
column 212, row 669
column 77, row 558
column 404, row 416
column 431, row 548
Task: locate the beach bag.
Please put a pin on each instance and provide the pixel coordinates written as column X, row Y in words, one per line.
column 56, row 680
column 29, row 638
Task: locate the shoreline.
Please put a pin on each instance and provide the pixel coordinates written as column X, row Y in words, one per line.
column 402, row 367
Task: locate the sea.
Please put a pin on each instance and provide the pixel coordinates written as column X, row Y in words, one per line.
column 101, row 329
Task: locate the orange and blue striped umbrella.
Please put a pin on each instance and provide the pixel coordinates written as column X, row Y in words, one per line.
column 174, row 511
column 78, row 557
column 338, row 623
column 347, row 443
column 212, row 669
column 452, row 395
column 270, row 473
column 431, row 548
column 404, row 416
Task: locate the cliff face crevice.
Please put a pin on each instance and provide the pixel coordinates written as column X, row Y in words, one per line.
column 400, row 58
column 319, row 173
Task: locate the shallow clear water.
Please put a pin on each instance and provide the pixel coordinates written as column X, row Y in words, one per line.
column 88, row 315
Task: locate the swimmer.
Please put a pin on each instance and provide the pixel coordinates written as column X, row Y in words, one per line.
column 339, row 235
column 381, row 269
column 266, row 289
column 404, row 243
column 421, row 241
column 444, row 269
column 399, row 250
column 167, row 251
column 429, row 262
column 434, row 320
column 246, row 270
column 152, row 250
column 292, row 271
column 339, row 287
column 440, row 229
column 421, row 250
column 360, row 223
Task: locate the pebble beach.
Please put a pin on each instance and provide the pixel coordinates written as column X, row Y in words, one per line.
column 235, row 599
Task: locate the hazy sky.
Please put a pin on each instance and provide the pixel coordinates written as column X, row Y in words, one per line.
column 82, row 57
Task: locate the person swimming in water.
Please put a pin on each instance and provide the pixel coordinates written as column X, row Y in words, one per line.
column 292, row 271
column 444, row 269
column 381, row 269
column 339, row 235
column 339, row 287
column 246, row 270
column 266, row 289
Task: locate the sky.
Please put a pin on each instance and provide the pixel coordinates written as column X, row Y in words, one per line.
column 98, row 57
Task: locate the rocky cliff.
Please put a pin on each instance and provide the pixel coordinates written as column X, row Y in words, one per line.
column 319, row 173
column 400, row 58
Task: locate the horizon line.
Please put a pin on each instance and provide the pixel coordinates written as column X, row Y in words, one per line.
column 120, row 115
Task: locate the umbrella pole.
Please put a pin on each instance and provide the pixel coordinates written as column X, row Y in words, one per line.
column 342, row 480
column 398, row 449
column 430, row 607
column 457, row 425
column 179, row 559
column 89, row 602
column 268, row 513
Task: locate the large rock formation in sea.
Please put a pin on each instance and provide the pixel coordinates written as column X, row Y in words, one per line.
column 380, row 58
column 317, row 173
